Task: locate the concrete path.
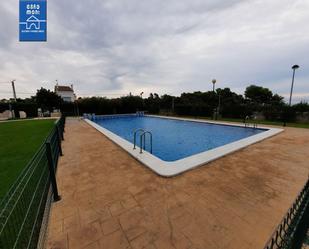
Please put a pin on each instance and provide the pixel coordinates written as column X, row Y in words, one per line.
column 110, row 201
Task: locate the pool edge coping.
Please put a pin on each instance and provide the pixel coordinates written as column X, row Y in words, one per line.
column 169, row 169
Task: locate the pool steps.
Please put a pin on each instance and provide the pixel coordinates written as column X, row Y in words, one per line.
column 142, row 139
column 134, row 139
column 247, row 124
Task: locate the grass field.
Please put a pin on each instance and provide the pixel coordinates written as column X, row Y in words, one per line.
column 19, row 140
column 265, row 122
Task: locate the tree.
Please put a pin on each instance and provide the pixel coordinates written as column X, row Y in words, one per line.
column 153, row 103
column 231, row 104
column 260, row 99
column 258, row 94
column 47, row 100
column 301, row 107
column 277, row 99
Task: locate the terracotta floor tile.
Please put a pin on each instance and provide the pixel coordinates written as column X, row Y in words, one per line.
column 116, row 240
column 129, row 202
column 56, row 227
column 233, row 202
column 116, row 208
column 88, row 215
column 180, row 241
column 110, row 226
column 69, row 210
column 133, row 222
column 57, row 242
column 94, row 245
column 150, row 246
column 71, row 223
column 142, row 241
column 85, row 235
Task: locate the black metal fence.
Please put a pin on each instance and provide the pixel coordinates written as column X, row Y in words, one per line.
column 292, row 230
column 27, row 203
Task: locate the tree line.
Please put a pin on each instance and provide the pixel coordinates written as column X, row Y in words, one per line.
column 222, row 102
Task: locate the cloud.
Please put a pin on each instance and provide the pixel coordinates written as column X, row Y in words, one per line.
column 115, row 46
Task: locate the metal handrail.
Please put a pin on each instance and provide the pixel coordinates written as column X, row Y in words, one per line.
column 135, row 132
column 247, row 124
column 245, row 120
column 143, row 136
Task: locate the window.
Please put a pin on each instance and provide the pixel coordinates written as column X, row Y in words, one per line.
column 67, row 99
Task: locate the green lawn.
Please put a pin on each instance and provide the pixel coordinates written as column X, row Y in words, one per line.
column 265, row 122
column 19, row 140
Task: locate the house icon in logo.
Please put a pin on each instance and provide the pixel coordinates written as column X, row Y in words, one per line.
column 33, row 23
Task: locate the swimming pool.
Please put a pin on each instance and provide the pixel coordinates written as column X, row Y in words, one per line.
column 177, row 144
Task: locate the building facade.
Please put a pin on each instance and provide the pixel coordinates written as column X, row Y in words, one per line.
column 66, row 93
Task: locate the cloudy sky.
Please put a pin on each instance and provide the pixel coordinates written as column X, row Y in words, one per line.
column 113, row 47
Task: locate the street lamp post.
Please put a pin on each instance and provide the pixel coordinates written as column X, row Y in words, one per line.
column 141, row 94
column 213, row 84
column 216, row 108
column 294, row 68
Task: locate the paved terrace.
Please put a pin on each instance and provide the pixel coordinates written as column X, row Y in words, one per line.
column 110, row 200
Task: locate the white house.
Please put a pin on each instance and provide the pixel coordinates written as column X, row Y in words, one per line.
column 65, row 92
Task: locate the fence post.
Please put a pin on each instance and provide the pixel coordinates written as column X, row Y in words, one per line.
column 52, row 171
column 59, row 140
column 61, row 124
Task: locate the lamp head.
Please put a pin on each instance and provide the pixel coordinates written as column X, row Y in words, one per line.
column 295, row 67
column 214, row 81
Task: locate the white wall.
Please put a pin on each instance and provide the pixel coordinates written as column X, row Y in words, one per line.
column 65, row 95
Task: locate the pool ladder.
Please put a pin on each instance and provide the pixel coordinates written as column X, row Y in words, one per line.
column 142, row 139
column 247, row 124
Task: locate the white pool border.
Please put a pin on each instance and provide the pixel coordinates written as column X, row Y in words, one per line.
column 168, row 169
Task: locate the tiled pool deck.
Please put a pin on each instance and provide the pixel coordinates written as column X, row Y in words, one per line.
column 110, row 201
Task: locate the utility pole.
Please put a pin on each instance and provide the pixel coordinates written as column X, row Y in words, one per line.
column 13, row 87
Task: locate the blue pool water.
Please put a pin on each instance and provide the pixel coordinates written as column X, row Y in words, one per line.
column 176, row 139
